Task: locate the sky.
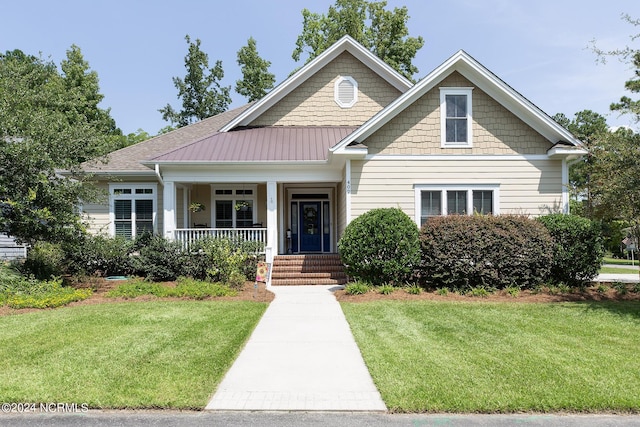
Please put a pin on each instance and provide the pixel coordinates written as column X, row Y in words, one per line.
column 541, row 48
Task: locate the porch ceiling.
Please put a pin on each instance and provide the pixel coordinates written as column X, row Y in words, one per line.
column 265, row 144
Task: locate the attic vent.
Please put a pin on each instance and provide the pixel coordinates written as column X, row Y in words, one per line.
column 346, row 92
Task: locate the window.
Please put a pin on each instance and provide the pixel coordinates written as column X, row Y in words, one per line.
column 455, row 114
column 435, row 200
column 234, row 207
column 346, row 92
column 132, row 209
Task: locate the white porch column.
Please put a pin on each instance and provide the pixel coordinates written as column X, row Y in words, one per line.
column 272, row 221
column 169, row 205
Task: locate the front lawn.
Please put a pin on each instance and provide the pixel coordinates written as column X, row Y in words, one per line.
column 160, row 354
column 427, row 356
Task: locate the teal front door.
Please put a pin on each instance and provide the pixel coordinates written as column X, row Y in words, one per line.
column 310, row 230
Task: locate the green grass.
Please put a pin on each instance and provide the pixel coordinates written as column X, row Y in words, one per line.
column 614, row 270
column 157, row 354
column 618, row 261
column 427, row 356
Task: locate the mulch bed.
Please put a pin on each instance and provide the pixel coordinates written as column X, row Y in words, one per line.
column 252, row 293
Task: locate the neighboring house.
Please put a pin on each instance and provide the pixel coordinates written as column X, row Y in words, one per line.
column 10, row 250
column 343, row 135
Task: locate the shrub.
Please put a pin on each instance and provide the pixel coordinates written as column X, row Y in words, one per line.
column 185, row 288
column 413, row 289
column 160, row 260
column 45, row 260
column 134, row 288
column 380, row 246
column 386, row 289
column 463, row 252
column 100, row 255
column 514, row 291
column 578, row 250
column 621, row 288
column 21, row 292
column 221, row 260
column 356, row 288
column 479, row 291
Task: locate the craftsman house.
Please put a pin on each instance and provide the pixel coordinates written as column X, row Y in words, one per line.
column 344, row 134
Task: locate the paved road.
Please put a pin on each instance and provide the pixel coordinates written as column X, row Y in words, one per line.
column 296, row 419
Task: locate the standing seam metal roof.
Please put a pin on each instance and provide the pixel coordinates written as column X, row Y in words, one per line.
column 264, row 144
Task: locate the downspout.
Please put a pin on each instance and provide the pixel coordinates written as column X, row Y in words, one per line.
column 157, row 169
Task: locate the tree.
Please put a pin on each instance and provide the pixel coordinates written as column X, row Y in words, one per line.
column 256, row 78
column 616, row 178
column 201, row 93
column 48, row 121
column 631, row 55
column 383, row 32
column 588, row 127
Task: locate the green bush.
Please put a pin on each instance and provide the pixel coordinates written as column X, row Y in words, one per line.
column 22, row 292
column 221, row 260
column 160, row 260
column 356, row 288
column 386, row 289
column 380, row 246
column 45, row 260
column 578, row 250
column 101, row 256
column 463, row 252
column 185, row 288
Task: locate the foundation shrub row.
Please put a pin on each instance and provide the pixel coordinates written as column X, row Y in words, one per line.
column 151, row 257
column 459, row 252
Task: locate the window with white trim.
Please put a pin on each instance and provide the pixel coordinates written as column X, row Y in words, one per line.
column 436, row 200
column 234, row 207
column 132, row 209
column 455, row 117
column 346, row 91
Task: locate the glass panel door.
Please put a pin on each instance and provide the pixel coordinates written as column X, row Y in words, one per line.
column 310, row 231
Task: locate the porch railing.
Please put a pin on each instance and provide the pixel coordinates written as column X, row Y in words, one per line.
column 189, row 235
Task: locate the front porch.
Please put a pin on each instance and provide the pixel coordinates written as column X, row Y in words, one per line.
column 282, row 218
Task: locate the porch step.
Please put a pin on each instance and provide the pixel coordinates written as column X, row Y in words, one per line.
column 289, row 270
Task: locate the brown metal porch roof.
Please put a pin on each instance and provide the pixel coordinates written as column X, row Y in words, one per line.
column 264, row 144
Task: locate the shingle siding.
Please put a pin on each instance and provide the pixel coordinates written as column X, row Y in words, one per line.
column 312, row 103
column 416, row 131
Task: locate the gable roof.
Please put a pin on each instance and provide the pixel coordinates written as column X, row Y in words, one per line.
column 128, row 160
column 265, row 144
column 345, row 44
column 484, row 79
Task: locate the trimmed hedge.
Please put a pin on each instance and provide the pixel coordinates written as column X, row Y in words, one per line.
column 462, row 252
column 578, row 248
column 380, row 246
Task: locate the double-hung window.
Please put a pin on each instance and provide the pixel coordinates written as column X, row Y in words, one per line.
column 437, row 200
column 234, row 207
column 132, row 209
column 455, row 117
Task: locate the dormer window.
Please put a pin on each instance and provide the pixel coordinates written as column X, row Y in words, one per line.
column 346, row 92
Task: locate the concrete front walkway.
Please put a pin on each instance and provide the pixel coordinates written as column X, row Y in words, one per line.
column 301, row 356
